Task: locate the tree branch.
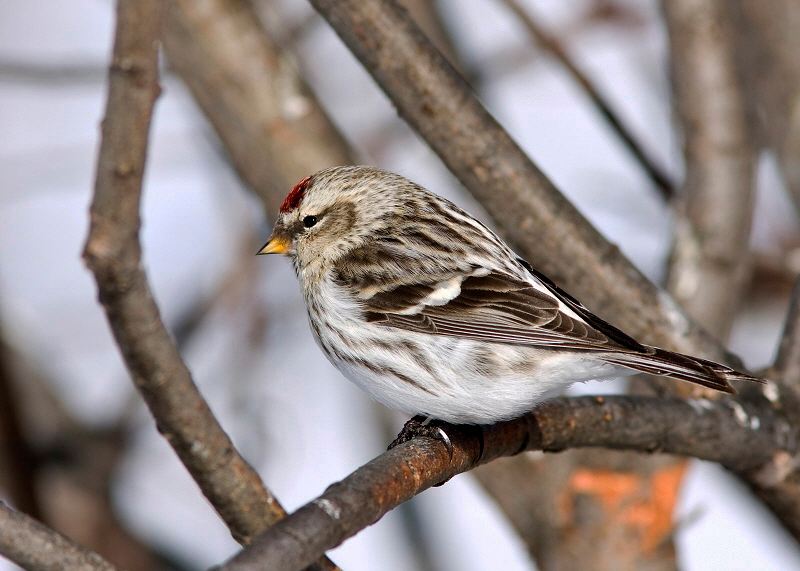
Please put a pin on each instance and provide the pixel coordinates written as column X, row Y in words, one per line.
column 787, row 362
column 772, row 69
column 551, row 45
column 35, row 547
column 778, row 483
column 51, row 75
column 710, row 264
column 274, row 130
column 113, row 253
column 741, row 436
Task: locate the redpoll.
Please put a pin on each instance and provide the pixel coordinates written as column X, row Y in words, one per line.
column 431, row 313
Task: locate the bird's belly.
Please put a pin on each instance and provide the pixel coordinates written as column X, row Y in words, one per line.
column 449, row 378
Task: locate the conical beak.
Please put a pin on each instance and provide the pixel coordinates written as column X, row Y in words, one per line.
column 276, row 245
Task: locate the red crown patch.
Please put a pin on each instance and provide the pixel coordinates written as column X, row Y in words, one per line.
column 295, row 196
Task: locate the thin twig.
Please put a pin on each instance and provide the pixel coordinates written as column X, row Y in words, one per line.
column 50, row 75
column 113, row 253
column 742, row 442
column 549, row 43
column 36, row 547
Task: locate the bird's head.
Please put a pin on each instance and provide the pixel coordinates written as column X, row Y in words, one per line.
column 336, row 210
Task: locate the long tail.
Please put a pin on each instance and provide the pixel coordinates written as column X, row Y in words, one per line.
column 683, row 367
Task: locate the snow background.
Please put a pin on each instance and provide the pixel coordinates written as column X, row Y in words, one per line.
column 291, row 414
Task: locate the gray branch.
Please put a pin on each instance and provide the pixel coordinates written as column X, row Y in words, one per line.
column 36, row 547
column 710, row 265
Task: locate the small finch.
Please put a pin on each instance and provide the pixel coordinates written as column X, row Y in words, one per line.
column 431, row 313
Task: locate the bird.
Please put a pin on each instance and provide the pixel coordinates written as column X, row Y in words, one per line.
column 431, row 313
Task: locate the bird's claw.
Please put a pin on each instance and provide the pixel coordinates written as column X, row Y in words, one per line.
column 442, row 436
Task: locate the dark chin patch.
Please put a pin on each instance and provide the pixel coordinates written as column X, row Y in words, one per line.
column 295, row 196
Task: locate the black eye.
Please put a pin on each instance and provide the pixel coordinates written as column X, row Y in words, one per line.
column 309, row 221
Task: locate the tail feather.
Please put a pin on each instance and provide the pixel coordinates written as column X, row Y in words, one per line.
column 683, row 367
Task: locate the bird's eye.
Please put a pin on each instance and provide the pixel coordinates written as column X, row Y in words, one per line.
column 309, row 221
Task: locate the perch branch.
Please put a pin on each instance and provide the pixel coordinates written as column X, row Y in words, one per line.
column 741, row 436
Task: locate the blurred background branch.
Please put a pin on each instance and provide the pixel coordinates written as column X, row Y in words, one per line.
column 37, row 548
column 273, row 129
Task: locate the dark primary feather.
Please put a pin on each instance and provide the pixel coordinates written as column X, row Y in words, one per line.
column 601, row 325
column 684, row 367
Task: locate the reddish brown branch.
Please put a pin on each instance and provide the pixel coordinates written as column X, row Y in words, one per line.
column 740, row 436
column 35, row 547
column 113, row 254
column 550, row 44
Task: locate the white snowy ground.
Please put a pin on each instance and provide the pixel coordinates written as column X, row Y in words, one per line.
column 293, row 416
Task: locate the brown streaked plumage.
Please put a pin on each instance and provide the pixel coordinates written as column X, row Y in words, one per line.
column 430, row 312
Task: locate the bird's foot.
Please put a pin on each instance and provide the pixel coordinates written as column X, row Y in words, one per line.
column 437, row 430
column 424, row 426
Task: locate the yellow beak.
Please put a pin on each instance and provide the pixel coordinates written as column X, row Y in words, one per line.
column 274, row 246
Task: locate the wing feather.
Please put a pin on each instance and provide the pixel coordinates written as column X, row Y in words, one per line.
column 405, row 283
column 496, row 307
